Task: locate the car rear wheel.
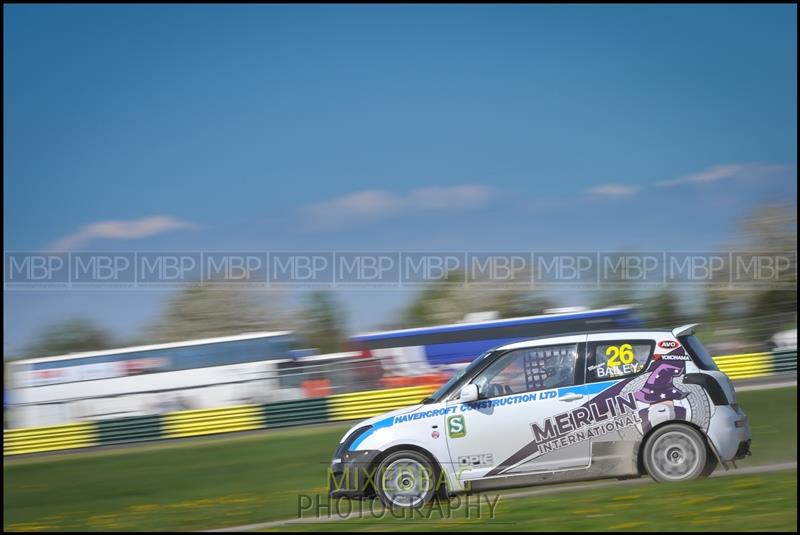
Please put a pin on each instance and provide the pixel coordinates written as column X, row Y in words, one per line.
column 675, row 452
column 405, row 479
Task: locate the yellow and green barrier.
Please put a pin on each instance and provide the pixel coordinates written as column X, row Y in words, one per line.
column 212, row 421
column 754, row 365
column 50, row 438
column 361, row 405
column 340, row 407
column 299, row 412
column 129, row 429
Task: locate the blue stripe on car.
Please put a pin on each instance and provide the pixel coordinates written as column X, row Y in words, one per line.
column 386, row 422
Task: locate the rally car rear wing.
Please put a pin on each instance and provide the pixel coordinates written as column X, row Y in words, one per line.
column 685, row 330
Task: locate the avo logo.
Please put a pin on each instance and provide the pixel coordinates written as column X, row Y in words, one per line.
column 668, row 344
column 456, row 428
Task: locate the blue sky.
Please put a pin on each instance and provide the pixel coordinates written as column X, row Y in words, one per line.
column 385, row 127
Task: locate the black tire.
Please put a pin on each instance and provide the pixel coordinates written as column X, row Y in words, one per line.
column 406, row 479
column 676, row 452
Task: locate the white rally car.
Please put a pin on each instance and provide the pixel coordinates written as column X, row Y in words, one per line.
column 584, row 406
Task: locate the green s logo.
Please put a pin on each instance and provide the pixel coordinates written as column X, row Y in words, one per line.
column 456, row 428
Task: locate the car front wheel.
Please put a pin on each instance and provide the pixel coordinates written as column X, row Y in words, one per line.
column 405, row 479
column 675, row 452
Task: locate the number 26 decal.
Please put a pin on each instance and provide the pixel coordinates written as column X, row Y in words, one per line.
column 622, row 354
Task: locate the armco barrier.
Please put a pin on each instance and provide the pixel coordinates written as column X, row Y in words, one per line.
column 339, row 407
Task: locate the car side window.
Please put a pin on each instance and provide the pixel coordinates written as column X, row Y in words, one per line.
column 613, row 359
column 529, row 369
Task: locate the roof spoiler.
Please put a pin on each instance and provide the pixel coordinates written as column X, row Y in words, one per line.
column 684, row 330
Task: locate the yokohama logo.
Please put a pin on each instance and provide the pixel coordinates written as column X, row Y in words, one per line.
column 676, row 357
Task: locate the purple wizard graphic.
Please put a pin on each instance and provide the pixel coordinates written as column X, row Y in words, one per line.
column 659, row 392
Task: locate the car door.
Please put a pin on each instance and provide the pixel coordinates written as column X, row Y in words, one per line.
column 504, row 431
column 615, row 363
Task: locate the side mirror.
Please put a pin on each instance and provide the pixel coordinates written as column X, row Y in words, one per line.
column 468, row 393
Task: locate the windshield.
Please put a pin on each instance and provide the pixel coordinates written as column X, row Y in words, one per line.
column 456, row 378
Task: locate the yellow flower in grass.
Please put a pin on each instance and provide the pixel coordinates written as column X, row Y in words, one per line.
column 627, row 497
column 29, row 526
column 707, row 520
column 627, row 525
column 684, row 514
column 244, row 499
column 699, row 499
column 619, row 505
column 719, row 509
column 145, row 508
column 108, row 521
column 748, row 483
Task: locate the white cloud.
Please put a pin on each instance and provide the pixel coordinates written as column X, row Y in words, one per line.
column 360, row 203
column 712, row 174
column 120, row 230
column 614, row 190
column 457, row 197
column 370, row 205
column 723, row 172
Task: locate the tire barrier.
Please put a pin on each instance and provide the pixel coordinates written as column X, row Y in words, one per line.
column 360, row 405
column 129, row 429
column 339, row 407
column 51, row 438
column 784, row 361
column 292, row 413
column 753, row 365
column 212, row 421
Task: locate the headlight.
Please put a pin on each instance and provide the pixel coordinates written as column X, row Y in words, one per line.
column 340, row 451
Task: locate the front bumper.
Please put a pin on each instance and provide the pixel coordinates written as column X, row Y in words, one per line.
column 352, row 475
